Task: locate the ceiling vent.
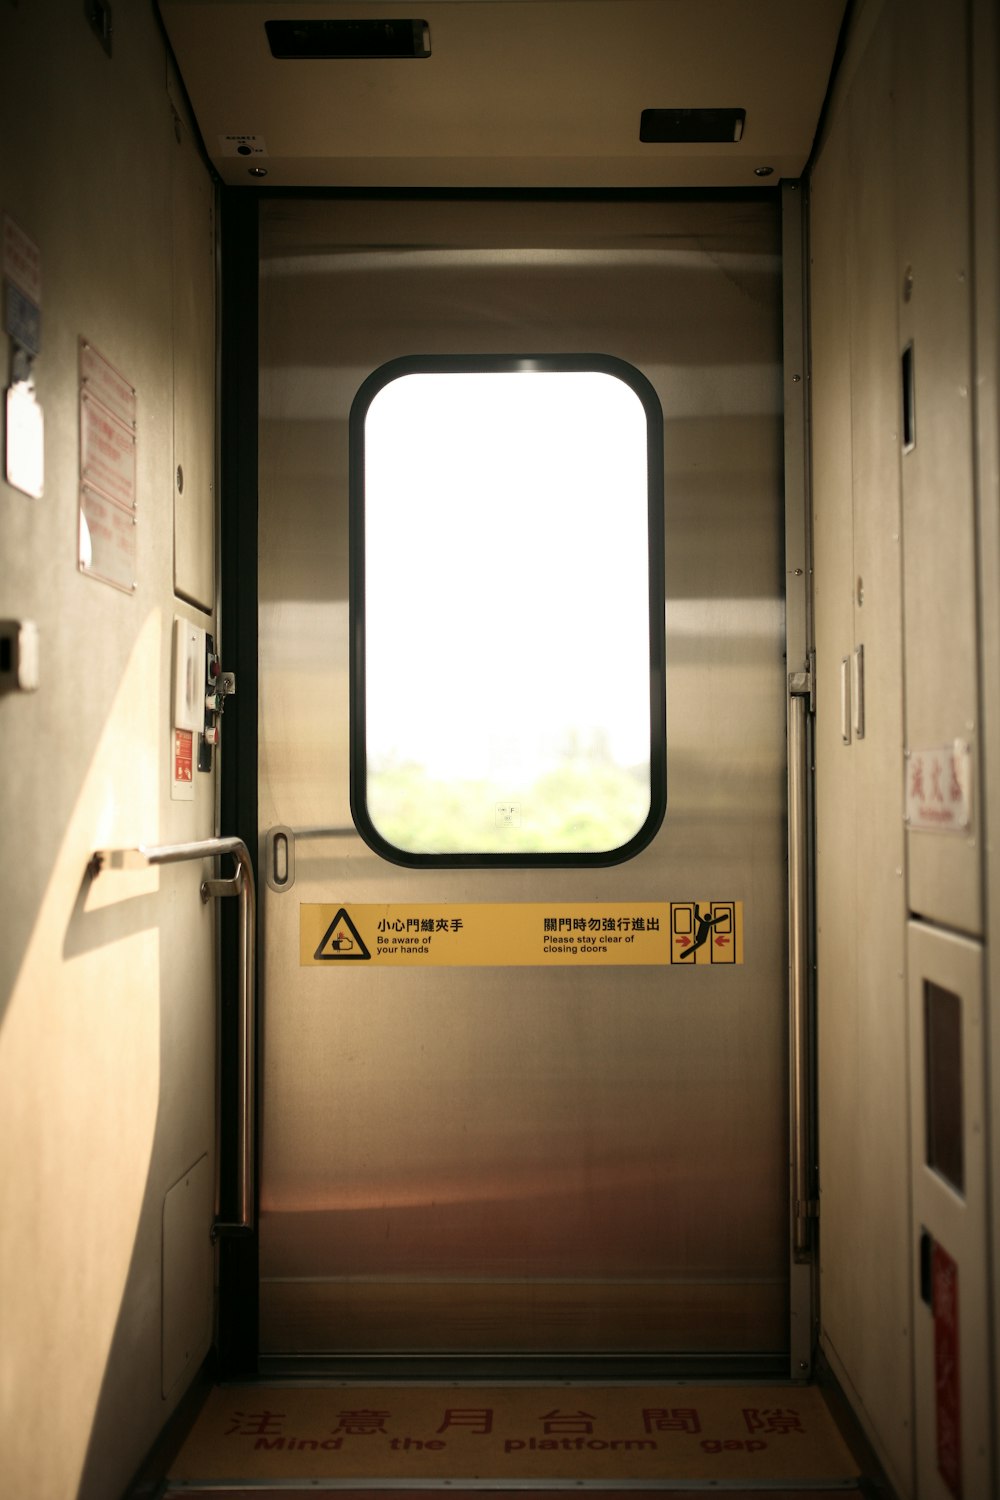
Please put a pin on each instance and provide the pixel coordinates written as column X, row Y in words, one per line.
column 691, row 126
column 325, row 40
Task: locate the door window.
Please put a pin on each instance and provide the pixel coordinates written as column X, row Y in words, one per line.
column 507, row 611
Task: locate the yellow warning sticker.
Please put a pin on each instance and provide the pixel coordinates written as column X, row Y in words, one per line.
column 691, row 933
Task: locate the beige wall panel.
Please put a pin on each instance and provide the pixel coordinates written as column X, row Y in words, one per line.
column 905, row 173
column 864, row 1149
column 193, row 223
column 881, row 1217
column 187, row 1275
column 106, row 989
column 986, row 223
column 938, row 497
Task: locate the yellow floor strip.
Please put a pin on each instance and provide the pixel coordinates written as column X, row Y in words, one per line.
column 749, row 1434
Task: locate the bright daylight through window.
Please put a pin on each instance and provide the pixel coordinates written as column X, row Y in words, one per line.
column 507, row 607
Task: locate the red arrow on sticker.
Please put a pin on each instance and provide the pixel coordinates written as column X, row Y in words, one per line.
column 721, row 942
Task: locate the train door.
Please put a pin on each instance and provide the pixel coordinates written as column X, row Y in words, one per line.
column 518, row 1156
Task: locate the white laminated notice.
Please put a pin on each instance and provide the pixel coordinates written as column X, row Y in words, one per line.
column 25, row 457
column 108, row 469
column 939, row 788
column 107, row 541
column 107, row 453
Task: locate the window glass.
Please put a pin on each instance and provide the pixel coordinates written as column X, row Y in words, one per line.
column 507, row 608
column 943, row 1083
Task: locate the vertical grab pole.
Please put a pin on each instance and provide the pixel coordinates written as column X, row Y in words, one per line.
column 247, row 1040
column 803, row 1208
column 242, row 885
column 801, row 669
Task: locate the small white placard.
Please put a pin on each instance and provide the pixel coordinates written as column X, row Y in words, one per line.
column 189, row 675
column 939, row 788
column 105, row 384
column 107, row 452
column 25, row 465
column 107, row 541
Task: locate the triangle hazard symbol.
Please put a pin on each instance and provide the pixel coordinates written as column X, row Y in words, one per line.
column 342, row 939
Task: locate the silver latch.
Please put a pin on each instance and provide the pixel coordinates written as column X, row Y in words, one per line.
column 803, row 684
column 219, row 686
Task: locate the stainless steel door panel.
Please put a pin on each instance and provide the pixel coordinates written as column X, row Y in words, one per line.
column 529, row 1159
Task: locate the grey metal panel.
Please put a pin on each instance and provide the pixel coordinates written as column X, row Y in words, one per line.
column 525, row 1132
column 866, row 1328
column 955, row 1219
column 944, row 871
column 193, row 231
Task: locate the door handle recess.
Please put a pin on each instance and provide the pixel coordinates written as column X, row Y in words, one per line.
column 926, row 1263
column 279, row 858
column 845, row 700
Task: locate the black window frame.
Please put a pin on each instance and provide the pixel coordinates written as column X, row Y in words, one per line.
column 420, row 364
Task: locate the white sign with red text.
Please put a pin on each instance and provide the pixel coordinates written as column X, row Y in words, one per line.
column 939, row 788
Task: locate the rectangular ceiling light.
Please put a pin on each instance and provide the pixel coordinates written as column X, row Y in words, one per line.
column 691, row 126
column 319, row 40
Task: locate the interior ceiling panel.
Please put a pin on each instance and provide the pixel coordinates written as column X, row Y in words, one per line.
column 514, row 93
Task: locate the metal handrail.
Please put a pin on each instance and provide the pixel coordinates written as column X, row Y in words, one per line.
column 241, row 885
column 343, row 831
column 798, row 962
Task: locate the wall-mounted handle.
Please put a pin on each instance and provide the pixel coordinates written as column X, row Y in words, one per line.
column 909, row 395
column 241, row 885
column 845, row 700
column 279, row 858
column 926, row 1268
column 279, row 851
column 858, row 691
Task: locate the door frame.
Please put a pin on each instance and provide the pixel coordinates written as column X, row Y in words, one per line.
column 237, row 1337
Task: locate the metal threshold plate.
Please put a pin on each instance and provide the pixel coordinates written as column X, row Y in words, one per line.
column 522, row 1436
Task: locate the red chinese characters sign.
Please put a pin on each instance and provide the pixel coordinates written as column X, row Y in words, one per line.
column 939, row 788
column 518, row 1433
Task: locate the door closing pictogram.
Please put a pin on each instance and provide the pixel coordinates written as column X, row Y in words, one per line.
column 705, row 932
column 342, row 939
